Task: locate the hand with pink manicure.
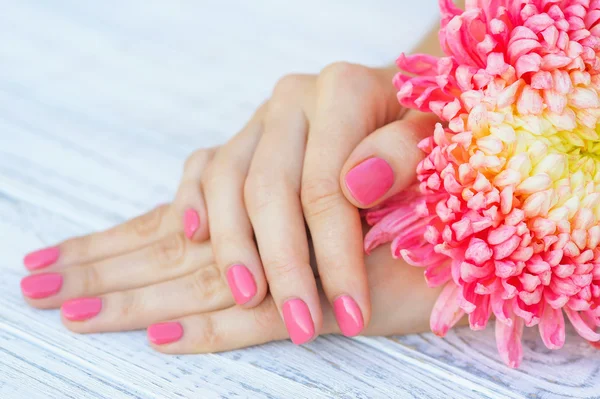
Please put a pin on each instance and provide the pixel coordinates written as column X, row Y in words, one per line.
column 319, row 149
column 172, row 287
column 310, row 156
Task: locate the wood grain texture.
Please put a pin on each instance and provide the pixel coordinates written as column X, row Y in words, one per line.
column 100, row 103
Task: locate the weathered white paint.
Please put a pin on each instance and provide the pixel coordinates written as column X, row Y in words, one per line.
column 100, row 102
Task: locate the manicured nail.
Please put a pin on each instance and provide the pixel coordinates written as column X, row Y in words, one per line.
column 41, row 258
column 165, row 333
column 369, row 180
column 298, row 321
column 79, row 309
column 41, row 285
column 191, row 222
column 348, row 316
column 241, row 283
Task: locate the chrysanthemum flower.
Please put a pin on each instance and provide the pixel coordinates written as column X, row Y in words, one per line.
column 506, row 212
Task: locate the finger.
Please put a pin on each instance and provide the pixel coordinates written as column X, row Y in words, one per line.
column 220, row 331
column 342, row 120
column 394, row 312
column 230, row 229
column 204, row 290
column 189, row 200
column 139, row 231
column 384, row 163
column 168, row 258
column 121, row 239
column 272, row 194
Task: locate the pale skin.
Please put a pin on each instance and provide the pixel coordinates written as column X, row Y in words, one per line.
column 253, row 196
column 180, row 282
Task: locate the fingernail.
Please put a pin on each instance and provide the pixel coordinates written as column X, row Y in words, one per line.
column 298, row 321
column 79, row 309
column 348, row 316
column 165, row 333
column 191, row 222
column 369, row 180
column 41, row 285
column 41, row 258
column 241, row 283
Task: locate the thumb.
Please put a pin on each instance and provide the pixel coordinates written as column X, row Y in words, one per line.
column 384, row 163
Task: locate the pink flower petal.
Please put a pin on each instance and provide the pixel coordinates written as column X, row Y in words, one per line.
column 501, row 308
column 508, row 341
column 552, row 328
column 501, row 234
column 479, row 317
column 446, row 311
column 438, row 274
column 478, row 251
column 581, row 326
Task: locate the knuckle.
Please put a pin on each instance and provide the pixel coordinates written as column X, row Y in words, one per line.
column 206, row 338
column 288, row 84
column 207, row 283
column 225, row 167
column 319, row 195
column 90, row 280
column 197, row 160
column 130, row 305
column 260, row 191
column 344, row 73
column 80, row 247
column 170, row 251
column 150, row 222
column 280, row 269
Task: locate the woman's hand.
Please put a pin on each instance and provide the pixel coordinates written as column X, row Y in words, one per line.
column 174, row 285
column 290, row 166
column 318, row 149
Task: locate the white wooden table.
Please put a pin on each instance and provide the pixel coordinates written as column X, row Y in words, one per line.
column 100, row 102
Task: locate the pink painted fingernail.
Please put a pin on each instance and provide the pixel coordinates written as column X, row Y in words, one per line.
column 369, row 180
column 348, row 316
column 41, row 258
column 165, row 333
column 191, row 222
column 79, row 309
column 241, row 283
column 298, row 321
column 41, row 285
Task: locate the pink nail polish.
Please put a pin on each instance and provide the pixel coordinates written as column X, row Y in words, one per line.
column 369, row 180
column 298, row 321
column 348, row 316
column 241, row 283
column 79, row 309
column 41, row 285
column 191, row 222
column 41, row 258
column 165, row 333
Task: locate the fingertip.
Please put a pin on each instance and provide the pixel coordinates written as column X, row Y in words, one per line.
column 384, row 163
column 161, row 334
column 195, row 225
column 368, row 181
column 299, row 321
column 191, row 222
column 242, row 285
column 348, row 315
column 41, row 258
